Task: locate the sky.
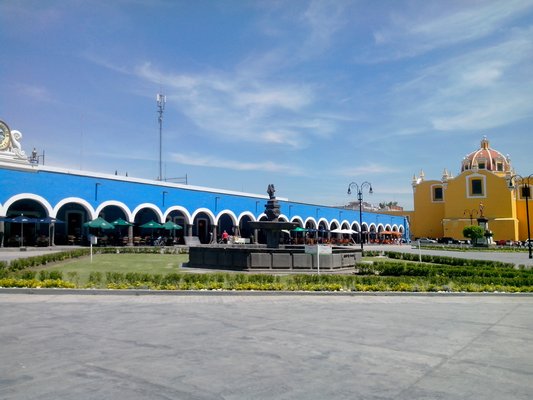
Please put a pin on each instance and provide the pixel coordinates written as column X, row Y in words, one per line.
column 307, row 95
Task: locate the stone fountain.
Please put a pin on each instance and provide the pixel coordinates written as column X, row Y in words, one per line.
column 272, row 226
column 272, row 257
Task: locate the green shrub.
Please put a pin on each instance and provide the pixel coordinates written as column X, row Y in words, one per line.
column 57, row 275
column 95, row 278
column 73, row 277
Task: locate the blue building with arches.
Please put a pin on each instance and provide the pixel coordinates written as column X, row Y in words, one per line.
column 74, row 197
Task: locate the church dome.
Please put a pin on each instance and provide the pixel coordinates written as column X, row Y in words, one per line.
column 486, row 158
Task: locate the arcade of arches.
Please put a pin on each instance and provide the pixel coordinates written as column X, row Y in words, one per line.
column 65, row 227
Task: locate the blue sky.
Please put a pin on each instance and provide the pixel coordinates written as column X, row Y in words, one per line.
column 307, row 95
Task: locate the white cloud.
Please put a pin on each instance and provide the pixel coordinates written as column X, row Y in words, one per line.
column 480, row 89
column 368, row 169
column 264, row 97
column 425, row 27
column 324, row 19
column 236, row 108
column 36, row 93
column 483, row 75
column 289, row 138
column 215, row 162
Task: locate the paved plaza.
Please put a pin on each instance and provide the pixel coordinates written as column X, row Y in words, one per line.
column 257, row 346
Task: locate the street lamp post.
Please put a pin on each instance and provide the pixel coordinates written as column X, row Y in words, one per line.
column 526, row 193
column 359, row 189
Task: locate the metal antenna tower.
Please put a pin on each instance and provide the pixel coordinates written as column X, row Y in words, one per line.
column 161, row 100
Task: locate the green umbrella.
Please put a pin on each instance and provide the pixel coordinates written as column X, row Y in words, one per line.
column 170, row 226
column 121, row 222
column 152, row 224
column 299, row 229
column 99, row 223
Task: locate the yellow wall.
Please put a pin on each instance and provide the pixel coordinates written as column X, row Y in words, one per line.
column 428, row 215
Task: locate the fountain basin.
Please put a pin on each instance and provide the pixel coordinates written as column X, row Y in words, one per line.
column 260, row 258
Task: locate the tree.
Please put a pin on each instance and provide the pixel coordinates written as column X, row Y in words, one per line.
column 473, row 232
column 388, row 205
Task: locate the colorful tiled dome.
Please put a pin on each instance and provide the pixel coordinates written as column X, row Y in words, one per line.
column 486, row 158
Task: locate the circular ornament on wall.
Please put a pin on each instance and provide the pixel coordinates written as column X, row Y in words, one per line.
column 5, row 136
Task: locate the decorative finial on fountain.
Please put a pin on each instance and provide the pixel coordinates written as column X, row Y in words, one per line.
column 271, row 190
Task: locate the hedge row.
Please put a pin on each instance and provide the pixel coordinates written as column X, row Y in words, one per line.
column 35, row 261
column 227, row 281
column 389, row 268
column 438, row 274
column 445, row 260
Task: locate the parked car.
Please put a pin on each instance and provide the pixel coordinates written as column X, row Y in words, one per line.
column 448, row 240
column 426, row 241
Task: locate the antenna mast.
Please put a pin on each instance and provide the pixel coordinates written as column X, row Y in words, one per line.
column 161, row 100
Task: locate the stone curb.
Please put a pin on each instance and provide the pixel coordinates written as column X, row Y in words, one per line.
column 143, row 292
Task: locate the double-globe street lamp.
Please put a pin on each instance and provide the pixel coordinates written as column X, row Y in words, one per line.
column 470, row 213
column 525, row 193
column 359, row 189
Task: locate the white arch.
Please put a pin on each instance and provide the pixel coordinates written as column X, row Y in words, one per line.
column 324, row 220
column 284, row 216
column 261, row 216
column 244, row 214
column 357, row 226
column 311, row 219
column 151, row 206
column 388, row 227
column 29, row 196
column 335, row 221
column 181, row 209
column 77, row 200
column 298, row 219
column 203, row 210
column 372, row 225
column 119, row 204
column 226, row 212
column 394, row 228
column 344, row 222
column 380, row 225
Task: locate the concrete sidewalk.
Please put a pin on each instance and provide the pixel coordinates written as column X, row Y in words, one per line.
column 266, row 347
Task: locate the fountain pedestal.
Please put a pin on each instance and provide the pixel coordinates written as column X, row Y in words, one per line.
column 272, row 230
column 272, row 226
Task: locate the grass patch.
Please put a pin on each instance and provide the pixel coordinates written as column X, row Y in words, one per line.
column 81, row 269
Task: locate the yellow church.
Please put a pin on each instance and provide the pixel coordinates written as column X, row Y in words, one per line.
column 487, row 188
